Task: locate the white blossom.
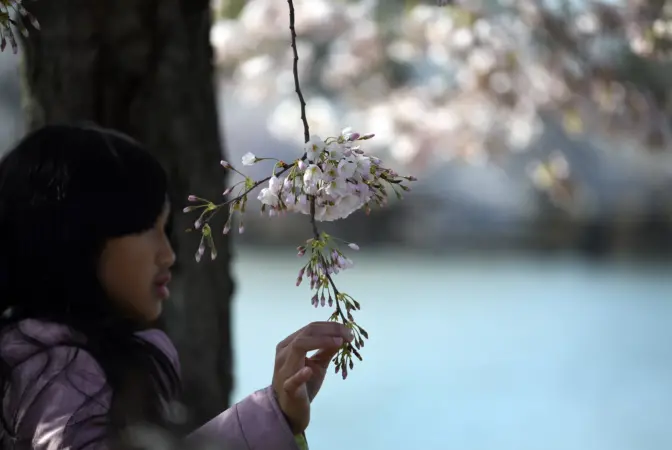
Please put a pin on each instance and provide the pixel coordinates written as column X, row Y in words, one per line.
column 347, row 168
column 269, row 196
column 314, row 148
column 249, row 159
column 336, row 151
column 311, row 178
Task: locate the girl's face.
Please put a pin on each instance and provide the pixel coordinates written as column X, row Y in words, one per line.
column 135, row 270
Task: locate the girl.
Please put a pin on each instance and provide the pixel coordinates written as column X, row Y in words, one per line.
column 85, row 264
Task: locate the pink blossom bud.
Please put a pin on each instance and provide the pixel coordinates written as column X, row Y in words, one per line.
column 188, row 209
column 331, row 300
column 227, row 191
column 353, row 246
column 411, row 178
column 354, row 136
column 314, row 301
column 192, row 198
column 301, row 250
column 227, row 227
column 299, row 278
column 323, row 300
column 302, row 165
column 198, row 224
column 241, row 228
column 225, row 164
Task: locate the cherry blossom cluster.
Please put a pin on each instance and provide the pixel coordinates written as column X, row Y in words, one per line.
column 336, row 173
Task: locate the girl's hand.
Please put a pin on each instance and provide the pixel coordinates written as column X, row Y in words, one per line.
column 297, row 379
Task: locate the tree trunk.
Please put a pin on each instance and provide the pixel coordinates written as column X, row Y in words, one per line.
column 144, row 67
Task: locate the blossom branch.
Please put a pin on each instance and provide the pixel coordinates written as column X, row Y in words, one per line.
column 333, row 179
column 347, row 347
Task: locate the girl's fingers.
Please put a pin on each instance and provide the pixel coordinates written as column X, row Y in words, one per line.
column 323, row 357
column 317, row 329
column 294, row 383
column 303, row 344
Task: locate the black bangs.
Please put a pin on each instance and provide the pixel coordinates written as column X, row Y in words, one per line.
column 103, row 183
column 133, row 190
column 64, row 191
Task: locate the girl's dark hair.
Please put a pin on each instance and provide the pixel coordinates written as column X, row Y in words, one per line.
column 64, row 191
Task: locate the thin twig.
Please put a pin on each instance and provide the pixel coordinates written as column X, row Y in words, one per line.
column 295, row 69
column 313, row 222
column 254, row 186
column 339, row 311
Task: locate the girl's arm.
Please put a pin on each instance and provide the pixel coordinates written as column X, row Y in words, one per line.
column 67, row 409
column 255, row 423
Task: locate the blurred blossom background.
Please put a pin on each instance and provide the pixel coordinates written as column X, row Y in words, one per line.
column 520, row 296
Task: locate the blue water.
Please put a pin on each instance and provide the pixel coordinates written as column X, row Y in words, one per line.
column 472, row 353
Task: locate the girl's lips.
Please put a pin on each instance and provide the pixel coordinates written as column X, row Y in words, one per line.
column 162, row 279
column 161, row 286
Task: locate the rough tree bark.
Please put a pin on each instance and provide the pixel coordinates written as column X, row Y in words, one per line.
column 144, row 67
